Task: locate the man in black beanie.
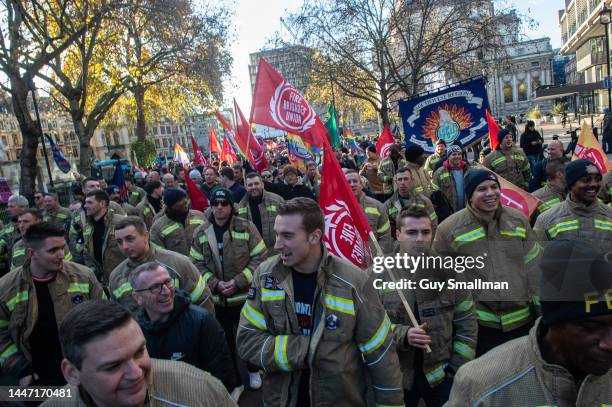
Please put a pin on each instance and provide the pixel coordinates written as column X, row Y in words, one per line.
column 581, row 216
column 509, row 161
column 566, row 360
column 415, row 157
column 174, row 230
column 152, row 204
column 504, row 238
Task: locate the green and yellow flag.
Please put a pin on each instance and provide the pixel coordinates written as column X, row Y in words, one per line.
column 332, row 127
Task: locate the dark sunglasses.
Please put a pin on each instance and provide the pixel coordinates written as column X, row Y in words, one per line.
column 222, row 203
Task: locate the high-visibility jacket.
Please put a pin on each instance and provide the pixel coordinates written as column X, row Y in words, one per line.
column 515, row 374
column 549, row 196
column 243, row 251
column 394, row 205
column 512, row 254
column 171, row 235
column 111, row 255
column 19, row 309
column 431, row 164
column 451, row 319
column 9, row 235
column 351, row 333
column 182, row 271
column 268, row 209
column 511, row 164
column 378, row 220
column 136, row 195
column 444, row 181
column 420, row 180
column 18, row 257
column 146, row 212
column 605, row 193
column 60, row 217
column 375, row 185
column 574, row 220
column 386, row 172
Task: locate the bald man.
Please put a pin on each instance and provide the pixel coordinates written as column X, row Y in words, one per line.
column 538, row 180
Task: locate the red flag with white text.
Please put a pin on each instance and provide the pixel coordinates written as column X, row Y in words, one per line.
column 279, row 105
column 346, row 227
column 384, row 143
column 247, row 141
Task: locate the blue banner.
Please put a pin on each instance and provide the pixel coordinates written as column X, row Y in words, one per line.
column 456, row 115
column 58, row 157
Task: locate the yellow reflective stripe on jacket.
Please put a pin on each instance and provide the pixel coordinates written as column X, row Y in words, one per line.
column 261, row 246
column 464, row 350
column 517, row 157
column 419, row 189
column 207, row 277
column 271, row 208
column 237, row 299
column 198, row 290
column 203, row 239
column 384, row 228
column 533, row 253
column 241, row 235
column 196, row 221
column 8, row 352
column 378, row 339
column 280, row 353
column 243, row 210
column 517, row 232
column 17, row 298
column 437, row 374
column 169, row 229
column 4, row 323
column 504, row 319
column 498, row 161
column 464, row 306
column 372, row 211
column 272, row 295
column 563, row 227
column 602, row 224
column 122, row 289
column 78, row 288
column 470, row 236
column 544, row 206
column 146, row 210
column 339, row 304
column 18, row 253
column 444, row 175
column 196, row 254
column 248, row 274
column 255, row 317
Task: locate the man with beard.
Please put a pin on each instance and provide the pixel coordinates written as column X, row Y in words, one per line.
column 431, row 164
column 554, row 150
column 17, row 204
column 152, row 205
column 312, row 179
column 54, row 213
column 174, row 229
column 566, row 360
column 260, row 207
column 448, row 179
column 509, row 162
column 581, row 216
column 210, row 181
column 34, row 299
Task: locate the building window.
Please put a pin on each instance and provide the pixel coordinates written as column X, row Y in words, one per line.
column 535, row 64
column 508, row 96
column 4, row 141
column 156, row 143
column 522, row 92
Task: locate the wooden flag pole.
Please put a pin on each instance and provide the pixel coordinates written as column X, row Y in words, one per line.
column 413, row 319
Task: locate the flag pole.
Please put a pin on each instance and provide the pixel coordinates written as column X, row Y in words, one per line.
column 413, row 319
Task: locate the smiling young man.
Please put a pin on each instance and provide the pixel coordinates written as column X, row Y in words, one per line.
column 314, row 322
column 566, row 360
column 581, row 216
column 106, row 364
column 504, row 238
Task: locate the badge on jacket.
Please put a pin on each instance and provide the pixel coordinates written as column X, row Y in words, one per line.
column 332, row 322
column 428, row 312
column 251, row 294
column 271, row 283
column 77, row 299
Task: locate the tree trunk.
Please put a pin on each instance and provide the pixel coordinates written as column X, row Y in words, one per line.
column 30, row 133
column 141, row 125
column 85, row 153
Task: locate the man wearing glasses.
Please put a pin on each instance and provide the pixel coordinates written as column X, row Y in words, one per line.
column 227, row 249
column 38, row 200
column 174, row 328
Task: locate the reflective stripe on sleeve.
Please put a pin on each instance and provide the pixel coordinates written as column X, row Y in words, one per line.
column 198, row 290
column 255, row 317
column 258, row 249
column 378, row 339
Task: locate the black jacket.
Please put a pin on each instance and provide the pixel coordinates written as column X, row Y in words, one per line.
column 526, row 139
column 191, row 335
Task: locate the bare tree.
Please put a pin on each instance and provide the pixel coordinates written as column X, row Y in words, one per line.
column 33, row 33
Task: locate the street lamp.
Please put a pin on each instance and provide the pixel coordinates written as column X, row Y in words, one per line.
column 605, row 18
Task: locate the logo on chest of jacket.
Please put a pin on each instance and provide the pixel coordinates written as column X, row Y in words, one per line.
column 272, row 284
column 428, row 312
column 332, row 322
column 251, row 294
column 77, row 299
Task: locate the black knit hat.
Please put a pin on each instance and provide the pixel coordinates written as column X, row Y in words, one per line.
column 172, row 196
column 500, row 136
column 474, row 177
column 578, row 169
column 414, row 152
column 220, row 193
column 574, row 281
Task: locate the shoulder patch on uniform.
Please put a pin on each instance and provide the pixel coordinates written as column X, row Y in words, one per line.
column 332, row 322
column 252, row 293
column 77, row 299
column 271, row 283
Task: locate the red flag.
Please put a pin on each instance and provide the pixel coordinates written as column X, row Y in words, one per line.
column 493, row 130
column 279, row 105
column 346, row 227
column 199, row 202
column 214, row 142
column 516, row 197
column 384, row 143
column 198, row 157
column 227, row 153
column 589, row 148
column 247, row 141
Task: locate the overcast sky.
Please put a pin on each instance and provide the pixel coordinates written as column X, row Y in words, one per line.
column 257, row 21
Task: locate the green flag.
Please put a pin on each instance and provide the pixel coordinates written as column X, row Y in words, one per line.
column 332, row 128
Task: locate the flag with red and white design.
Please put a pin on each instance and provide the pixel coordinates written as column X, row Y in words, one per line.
column 384, row 143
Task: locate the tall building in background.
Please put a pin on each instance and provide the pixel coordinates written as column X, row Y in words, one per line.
column 293, row 63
